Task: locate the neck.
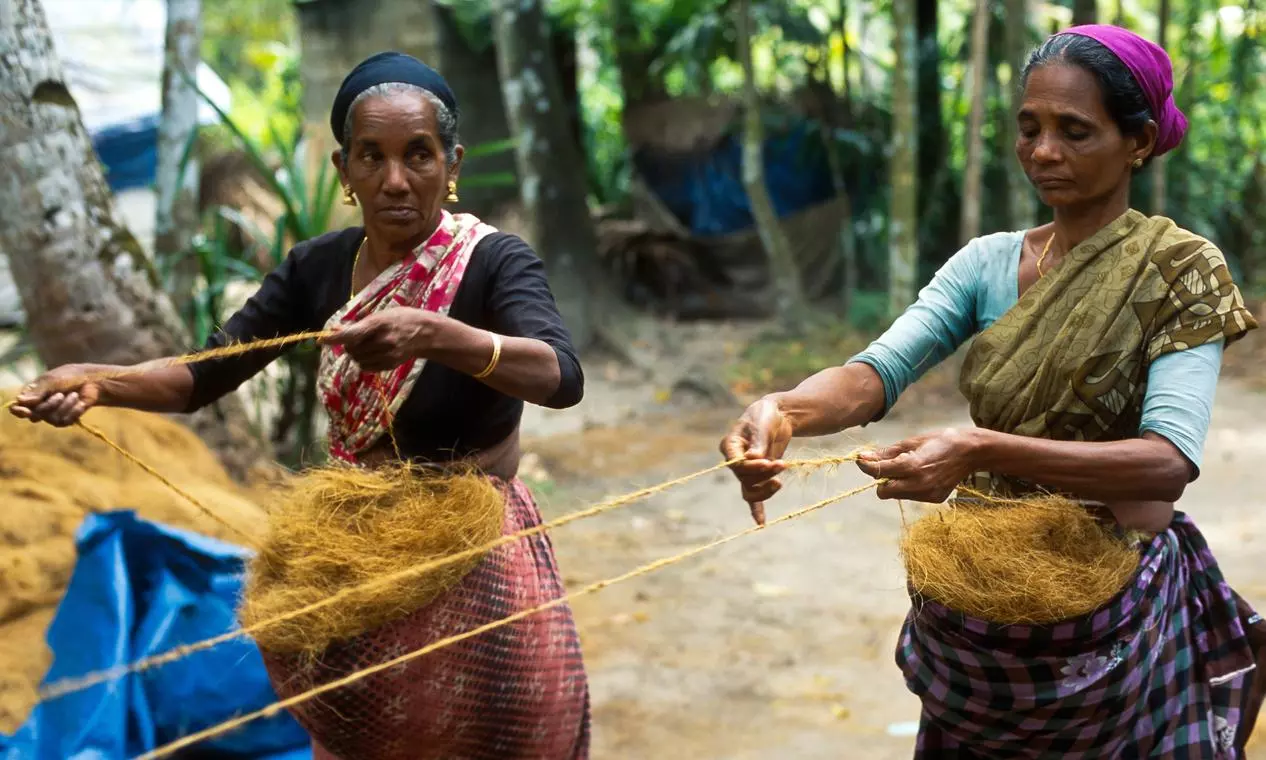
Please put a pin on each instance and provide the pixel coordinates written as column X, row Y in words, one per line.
column 1073, row 224
column 384, row 250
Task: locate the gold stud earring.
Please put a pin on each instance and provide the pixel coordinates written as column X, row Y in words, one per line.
column 452, row 192
column 349, row 198
column 1138, row 163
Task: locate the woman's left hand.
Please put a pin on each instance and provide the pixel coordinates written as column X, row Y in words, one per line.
column 385, row 340
column 925, row 468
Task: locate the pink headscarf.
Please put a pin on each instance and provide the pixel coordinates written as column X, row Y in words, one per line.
column 1152, row 69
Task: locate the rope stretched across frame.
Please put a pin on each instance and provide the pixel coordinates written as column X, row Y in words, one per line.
column 72, row 684
column 231, row 725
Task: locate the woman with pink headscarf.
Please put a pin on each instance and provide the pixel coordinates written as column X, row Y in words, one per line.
column 1096, row 342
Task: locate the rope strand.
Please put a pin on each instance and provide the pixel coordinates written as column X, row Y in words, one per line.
column 74, row 684
column 275, row 708
column 99, row 434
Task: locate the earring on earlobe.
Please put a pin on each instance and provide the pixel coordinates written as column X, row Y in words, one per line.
column 452, row 192
column 1138, row 163
column 349, row 198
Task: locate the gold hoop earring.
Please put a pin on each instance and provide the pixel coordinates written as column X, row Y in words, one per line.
column 1138, row 163
column 349, row 198
column 452, row 192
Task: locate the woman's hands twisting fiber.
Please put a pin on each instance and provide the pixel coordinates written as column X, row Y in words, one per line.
column 758, row 440
column 924, row 468
column 392, row 337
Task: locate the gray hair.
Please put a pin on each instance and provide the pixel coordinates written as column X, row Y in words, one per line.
column 446, row 119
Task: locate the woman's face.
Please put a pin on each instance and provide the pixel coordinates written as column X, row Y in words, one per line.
column 1070, row 148
column 396, row 165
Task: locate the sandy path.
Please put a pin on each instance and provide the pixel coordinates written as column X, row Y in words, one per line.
column 780, row 644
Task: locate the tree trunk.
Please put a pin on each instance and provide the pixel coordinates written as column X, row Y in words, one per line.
column 86, row 287
column 176, row 215
column 932, row 131
column 1158, row 164
column 842, row 27
column 1023, row 206
column 969, row 225
column 1085, row 12
column 633, row 57
column 903, row 253
column 783, row 270
column 552, row 175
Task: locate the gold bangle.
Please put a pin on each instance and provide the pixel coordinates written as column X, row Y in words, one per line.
column 496, row 357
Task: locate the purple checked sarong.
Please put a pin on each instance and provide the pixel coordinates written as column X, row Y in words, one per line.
column 1167, row 669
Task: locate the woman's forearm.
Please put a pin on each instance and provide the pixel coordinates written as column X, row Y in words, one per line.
column 1140, row 469
column 148, row 387
column 165, row 390
column 833, row 400
column 527, row 368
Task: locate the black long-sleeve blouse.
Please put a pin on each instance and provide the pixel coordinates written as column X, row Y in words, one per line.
column 448, row 414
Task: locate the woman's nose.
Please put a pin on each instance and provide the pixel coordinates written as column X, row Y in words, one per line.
column 395, row 180
column 1047, row 149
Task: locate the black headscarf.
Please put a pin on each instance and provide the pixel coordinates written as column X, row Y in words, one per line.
column 380, row 69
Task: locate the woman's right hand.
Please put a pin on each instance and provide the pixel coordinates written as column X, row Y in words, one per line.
column 758, row 440
column 59, row 397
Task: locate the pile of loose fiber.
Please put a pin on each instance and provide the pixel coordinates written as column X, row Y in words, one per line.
column 1034, row 561
column 335, row 528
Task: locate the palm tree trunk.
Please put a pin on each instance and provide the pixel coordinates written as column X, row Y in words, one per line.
column 87, row 289
column 903, row 253
column 969, row 225
column 784, row 272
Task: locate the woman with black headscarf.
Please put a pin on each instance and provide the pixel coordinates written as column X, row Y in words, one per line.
column 444, row 326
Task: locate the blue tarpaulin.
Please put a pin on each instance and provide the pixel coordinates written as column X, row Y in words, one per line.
column 705, row 191
column 138, row 589
column 129, row 153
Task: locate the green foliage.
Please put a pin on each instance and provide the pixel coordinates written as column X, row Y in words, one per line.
column 240, row 38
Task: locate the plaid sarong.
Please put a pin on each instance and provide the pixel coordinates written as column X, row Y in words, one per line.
column 1164, row 670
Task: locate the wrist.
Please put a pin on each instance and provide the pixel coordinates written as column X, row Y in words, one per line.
column 443, row 336
column 786, row 410
column 982, row 447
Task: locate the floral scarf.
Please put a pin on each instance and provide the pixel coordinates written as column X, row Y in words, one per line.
column 360, row 404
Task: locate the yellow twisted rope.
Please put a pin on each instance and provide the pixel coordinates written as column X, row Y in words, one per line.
column 74, row 684
column 275, row 708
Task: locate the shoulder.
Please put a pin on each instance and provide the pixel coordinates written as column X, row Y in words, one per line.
column 987, row 252
column 1169, row 243
column 997, row 245
column 504, row 252
column 501, row 244
column 1180, row 254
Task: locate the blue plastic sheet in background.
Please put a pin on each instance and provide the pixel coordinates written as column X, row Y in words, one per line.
column 138, row 589
column 705, row 190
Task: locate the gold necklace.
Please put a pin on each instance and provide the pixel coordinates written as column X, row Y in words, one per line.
column 1045, row 249
column 356, row 261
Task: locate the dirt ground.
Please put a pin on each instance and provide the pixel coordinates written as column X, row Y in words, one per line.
column 781, row 644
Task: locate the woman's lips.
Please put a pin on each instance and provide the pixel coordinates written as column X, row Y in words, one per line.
column 398, row 213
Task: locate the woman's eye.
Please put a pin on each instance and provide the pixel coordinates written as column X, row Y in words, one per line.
column 1077, row 135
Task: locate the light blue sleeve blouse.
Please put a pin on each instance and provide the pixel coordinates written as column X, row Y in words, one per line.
column 980, row 283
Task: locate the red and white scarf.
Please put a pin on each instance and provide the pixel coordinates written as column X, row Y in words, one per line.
column 361, row 405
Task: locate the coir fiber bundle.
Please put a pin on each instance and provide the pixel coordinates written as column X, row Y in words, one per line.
column 336, row 528
column 1034, row 561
